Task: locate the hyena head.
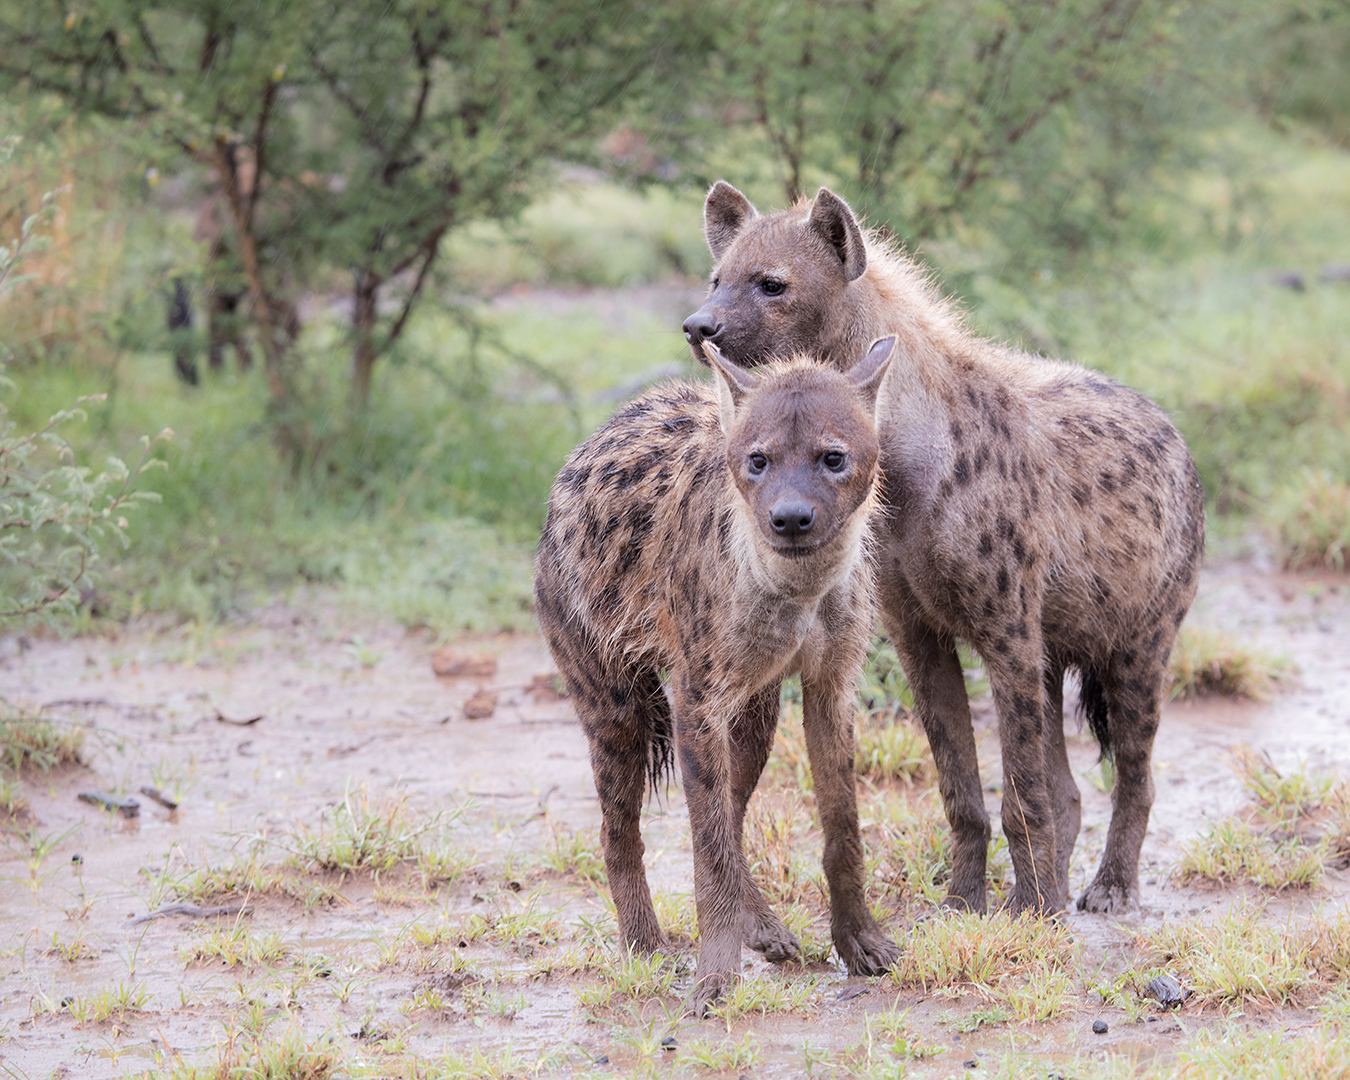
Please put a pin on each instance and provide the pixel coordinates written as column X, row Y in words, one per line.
column 781, row 282
column 802, row 444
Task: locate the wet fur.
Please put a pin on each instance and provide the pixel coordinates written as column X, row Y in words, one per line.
column 1036, row 509
column 655, row 557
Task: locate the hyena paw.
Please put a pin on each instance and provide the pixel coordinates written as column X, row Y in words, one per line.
column 766, row 934
column 867, row 952
column 1030, row 902
column 1107, row 898
column 707, row 992
column 973, row 904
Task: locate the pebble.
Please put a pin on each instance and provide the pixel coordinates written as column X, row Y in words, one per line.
column 1099, row 1027
column 1167, row 990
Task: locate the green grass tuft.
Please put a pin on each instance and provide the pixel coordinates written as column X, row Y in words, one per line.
column 1208, row 662
column 28, row 740
column 1234, row 960
column 1232, row 851
column 956, row 949
column 1312, row 519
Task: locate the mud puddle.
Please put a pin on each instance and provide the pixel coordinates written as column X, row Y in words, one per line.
column 493, row 938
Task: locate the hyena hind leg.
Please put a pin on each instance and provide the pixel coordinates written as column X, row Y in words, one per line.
column 1134, row 686
column 626, row 717
column 1066, row 802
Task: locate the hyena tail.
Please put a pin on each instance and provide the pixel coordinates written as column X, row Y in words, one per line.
column 660, row 743
column 1092, row 702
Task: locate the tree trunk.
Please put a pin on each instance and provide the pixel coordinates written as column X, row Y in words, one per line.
column 365, row 291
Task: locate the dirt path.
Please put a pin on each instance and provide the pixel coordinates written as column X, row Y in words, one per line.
column 494, row 942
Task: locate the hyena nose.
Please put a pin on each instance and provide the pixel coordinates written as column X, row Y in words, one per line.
column 701, row 326
column 792, row 517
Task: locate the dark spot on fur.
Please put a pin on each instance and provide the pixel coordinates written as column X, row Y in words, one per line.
column 1001, row 582
column 639, row 522
column 962, row 470
column 692, row 768
column 1155, row 510
column 986, row 545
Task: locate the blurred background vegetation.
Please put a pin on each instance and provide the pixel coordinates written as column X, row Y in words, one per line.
column 380, row 266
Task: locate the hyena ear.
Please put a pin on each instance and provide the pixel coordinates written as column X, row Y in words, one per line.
column 834, row 221
column 725, row 212
column 868, row 372
column 733, row 383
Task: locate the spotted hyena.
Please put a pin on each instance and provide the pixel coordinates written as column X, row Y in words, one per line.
column 717, row 535
column 1045, row 514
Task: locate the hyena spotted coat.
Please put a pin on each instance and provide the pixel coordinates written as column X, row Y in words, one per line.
column 717, row 535
column 1036, row 509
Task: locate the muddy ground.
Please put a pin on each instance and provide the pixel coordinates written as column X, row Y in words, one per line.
column 392, row 973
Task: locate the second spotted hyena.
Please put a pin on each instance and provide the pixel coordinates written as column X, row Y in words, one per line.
column 718, row 536
column 1036, row 509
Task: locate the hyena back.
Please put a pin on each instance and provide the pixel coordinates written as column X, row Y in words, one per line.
column 718, row 536
column 1036, row 509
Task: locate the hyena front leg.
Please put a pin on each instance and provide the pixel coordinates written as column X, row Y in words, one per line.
column 827, row 715
column 934, row 672
column 751, row 741
column 719, row 862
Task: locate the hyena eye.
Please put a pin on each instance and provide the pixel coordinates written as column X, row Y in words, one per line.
column 834, row 460
column 756, row 464
column 772, row 287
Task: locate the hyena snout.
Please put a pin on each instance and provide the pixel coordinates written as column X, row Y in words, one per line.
column 791, row 518
column 703, row 325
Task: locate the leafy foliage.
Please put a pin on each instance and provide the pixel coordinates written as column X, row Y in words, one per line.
column 347, row 137
column 53, row 513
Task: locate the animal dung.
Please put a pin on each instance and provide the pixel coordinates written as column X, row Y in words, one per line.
column 155, row 795
column 481, row 706
column 238, row 721
column 446, row 663
column 128, row 808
